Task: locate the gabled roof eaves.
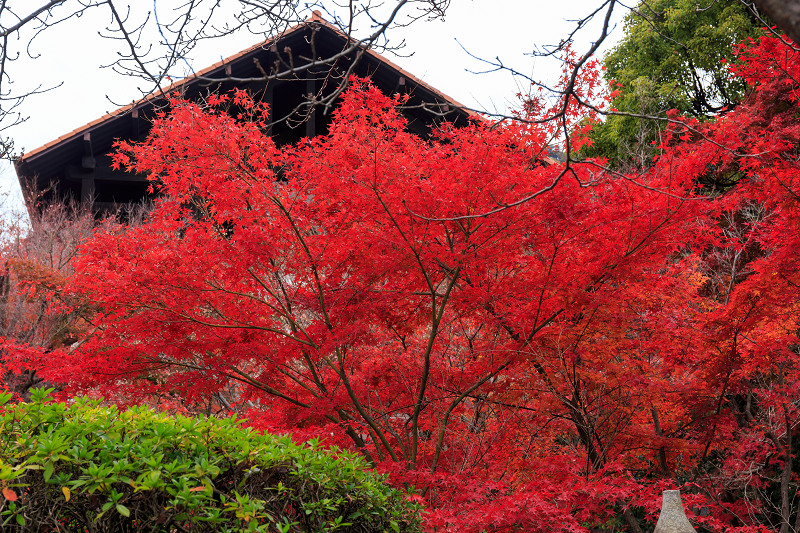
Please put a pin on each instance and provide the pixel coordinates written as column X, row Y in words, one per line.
column 220, row 65
column 155, row 96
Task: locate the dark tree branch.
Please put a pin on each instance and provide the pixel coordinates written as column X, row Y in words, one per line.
column 785, row 14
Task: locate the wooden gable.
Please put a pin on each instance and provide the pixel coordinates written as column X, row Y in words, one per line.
column 308, row 59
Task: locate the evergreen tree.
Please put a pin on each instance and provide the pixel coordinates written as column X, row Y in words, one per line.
column 674, row 55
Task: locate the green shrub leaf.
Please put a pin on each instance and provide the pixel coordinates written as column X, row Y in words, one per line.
column 205, row 474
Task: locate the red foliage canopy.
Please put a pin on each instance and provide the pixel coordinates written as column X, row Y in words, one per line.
column 552, row 363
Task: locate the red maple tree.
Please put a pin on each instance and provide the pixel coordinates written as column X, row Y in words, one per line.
column 532, row 346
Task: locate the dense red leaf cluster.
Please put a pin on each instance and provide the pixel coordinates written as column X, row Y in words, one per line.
column 552, row 364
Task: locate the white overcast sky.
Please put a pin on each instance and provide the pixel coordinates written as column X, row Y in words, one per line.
column 72, row 54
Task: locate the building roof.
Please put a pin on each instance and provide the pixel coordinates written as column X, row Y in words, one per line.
column 176, row 86
column 50, row 163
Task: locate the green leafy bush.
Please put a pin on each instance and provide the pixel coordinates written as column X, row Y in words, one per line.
column 88, row 467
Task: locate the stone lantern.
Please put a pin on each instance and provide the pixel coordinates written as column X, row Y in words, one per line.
column 673, row 518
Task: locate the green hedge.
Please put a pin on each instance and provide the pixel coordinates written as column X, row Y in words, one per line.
column 88, row 467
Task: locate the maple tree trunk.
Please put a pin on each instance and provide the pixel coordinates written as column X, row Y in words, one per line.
column 785, row 14
column 786, row 476
column 580, row 419
column 633, row 525
column 662, row 452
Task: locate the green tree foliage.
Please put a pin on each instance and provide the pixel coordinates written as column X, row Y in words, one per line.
column 87, row 467
column 673, row 56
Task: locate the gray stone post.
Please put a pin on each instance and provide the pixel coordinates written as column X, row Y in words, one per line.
column 673, row 518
